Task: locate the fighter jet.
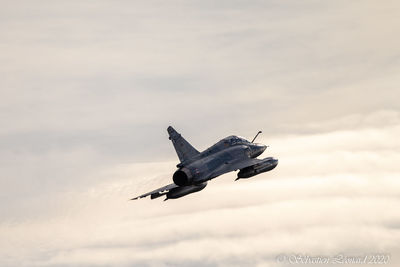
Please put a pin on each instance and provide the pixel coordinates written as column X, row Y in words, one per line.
column 196, row 168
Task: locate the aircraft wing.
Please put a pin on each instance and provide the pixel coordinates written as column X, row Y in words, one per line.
column 158, row 192
column 236, row 164
column 183, row 148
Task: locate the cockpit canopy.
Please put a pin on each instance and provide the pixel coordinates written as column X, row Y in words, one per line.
column 235, row 140
column 229, row 141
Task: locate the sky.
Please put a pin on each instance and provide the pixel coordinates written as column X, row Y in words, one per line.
column 88, row 88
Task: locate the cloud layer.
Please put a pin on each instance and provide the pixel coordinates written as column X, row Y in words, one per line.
column 88, row 90
column 332, row 193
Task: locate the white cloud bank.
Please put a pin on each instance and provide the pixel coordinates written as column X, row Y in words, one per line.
column 331, row 193
column 87, row 89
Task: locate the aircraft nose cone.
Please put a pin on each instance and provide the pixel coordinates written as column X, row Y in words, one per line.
column 258, row 149
column 263, row 147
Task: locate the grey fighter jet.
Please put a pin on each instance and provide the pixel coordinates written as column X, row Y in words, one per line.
column 196, row 168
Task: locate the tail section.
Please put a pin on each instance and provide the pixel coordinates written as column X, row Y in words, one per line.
column 184, row 150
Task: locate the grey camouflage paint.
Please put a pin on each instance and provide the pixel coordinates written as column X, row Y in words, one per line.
column 196, row 168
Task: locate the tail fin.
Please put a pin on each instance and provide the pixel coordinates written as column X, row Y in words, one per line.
column 184, row 150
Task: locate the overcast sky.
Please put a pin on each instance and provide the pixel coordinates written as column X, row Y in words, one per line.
column 88, row 88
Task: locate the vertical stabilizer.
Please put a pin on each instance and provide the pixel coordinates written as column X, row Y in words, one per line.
column 184, row 150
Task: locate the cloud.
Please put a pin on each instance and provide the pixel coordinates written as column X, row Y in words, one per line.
column 305, row 206
column 88, row 89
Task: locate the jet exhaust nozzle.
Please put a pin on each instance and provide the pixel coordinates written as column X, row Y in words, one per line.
column 182, row 177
